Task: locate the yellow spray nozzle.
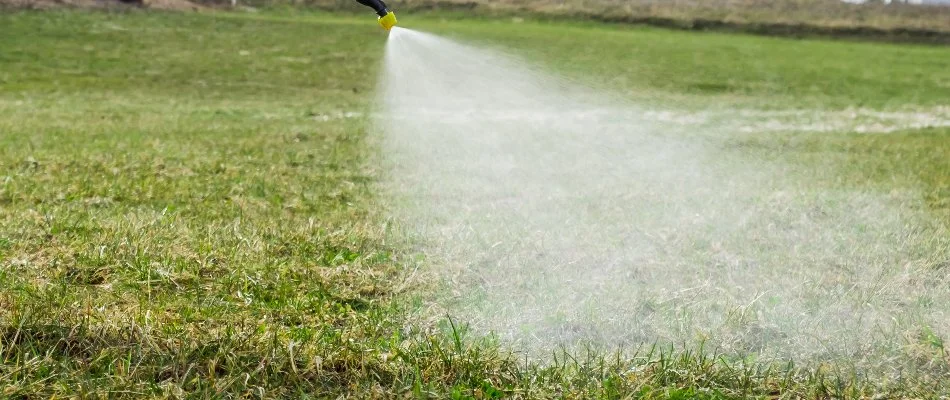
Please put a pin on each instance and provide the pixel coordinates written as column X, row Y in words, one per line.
column 388, row 22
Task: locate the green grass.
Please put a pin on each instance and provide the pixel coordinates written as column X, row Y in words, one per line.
column 725, row 67
column 872, row 20
column 181, row 212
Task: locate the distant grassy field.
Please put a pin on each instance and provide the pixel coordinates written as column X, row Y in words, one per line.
column 873, row 20
column 189, row 203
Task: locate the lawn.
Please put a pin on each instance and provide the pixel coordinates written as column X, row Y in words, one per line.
column 189, row 203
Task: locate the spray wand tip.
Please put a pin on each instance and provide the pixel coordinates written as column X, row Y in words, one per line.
column 388, row 21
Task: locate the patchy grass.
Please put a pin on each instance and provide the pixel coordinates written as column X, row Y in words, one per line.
column 187, row 208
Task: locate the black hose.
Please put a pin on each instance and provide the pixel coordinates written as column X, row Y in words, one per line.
column 377, row 5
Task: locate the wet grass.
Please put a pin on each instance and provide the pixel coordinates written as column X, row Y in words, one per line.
column 186, row 209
